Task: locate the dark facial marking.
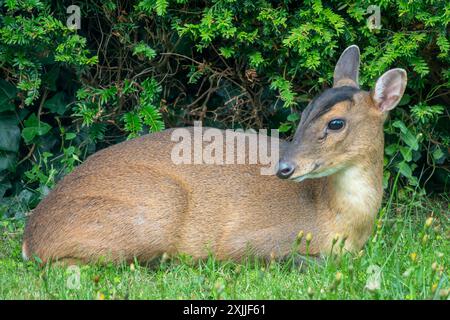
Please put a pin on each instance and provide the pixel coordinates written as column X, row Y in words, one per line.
column 325, row 101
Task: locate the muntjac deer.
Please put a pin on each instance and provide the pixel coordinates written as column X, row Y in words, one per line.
column 131, row 201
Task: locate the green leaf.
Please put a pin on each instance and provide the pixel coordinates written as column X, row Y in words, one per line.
column 56, row 104
column 391, row 149
column 161, row 7
column 7, row 93
column 410, row 140
column 399, row 124
column 285, row 127
column 405, row 100
column 28, row 134
column 33, row 128
column 406, row 135
column 142, row 49
column 70, row 135
column 256, row 59
column 293, row 117
column 285, row 88
column 405, row 169
column 386, row 176
column 406, row 153
column 227, row 52
column 7, row 160
column 9, row 133
column 438, row 154
column 152, row 118
column 133, row 123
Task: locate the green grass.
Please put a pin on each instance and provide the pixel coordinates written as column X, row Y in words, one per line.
column 410, row 267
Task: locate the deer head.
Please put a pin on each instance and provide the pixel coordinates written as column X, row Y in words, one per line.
column 342, row 125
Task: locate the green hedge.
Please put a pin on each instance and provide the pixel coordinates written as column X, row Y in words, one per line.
column 152, row 64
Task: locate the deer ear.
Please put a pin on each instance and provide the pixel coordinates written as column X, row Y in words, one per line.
column 346, row 71
column 389, row 89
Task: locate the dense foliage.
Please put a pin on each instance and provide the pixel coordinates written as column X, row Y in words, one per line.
column 139, row 66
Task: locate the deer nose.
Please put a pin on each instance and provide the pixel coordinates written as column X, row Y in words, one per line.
column 285, row 169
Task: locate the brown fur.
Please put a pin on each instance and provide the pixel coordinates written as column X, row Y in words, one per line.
column 130, row 201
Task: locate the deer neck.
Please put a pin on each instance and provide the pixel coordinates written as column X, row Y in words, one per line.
column 355, row 194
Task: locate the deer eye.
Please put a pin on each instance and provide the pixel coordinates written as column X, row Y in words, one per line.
column 336, row 124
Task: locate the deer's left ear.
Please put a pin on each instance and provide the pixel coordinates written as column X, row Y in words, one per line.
column 389, row 89
column 346, row 71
